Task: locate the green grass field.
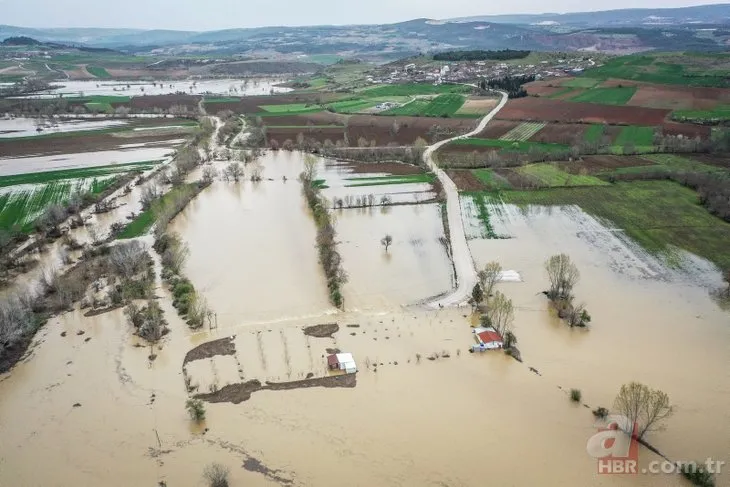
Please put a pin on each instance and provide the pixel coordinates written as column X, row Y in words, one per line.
column 637, row 135
column 552, row 176
column 655, row 214
column 98, row 72
column 416, row 107
column 99, row 107
column 385, row 180
column 607, row 96
column 415, row 89
column 221, row 99
column 444, row 105
column 289, row 109
column 491, row 180
column 511, row 145
column 351, row 106
column 594, row 133
column 110, row 99
column 715, row 116
column 586, row 83
column 656, row 69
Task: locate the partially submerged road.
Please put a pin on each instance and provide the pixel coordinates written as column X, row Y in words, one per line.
column 466, row 274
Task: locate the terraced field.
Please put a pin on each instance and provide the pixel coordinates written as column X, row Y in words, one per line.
column 523, row 131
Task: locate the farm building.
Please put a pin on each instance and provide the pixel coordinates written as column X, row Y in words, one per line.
column 487, row 339
column 342, row 361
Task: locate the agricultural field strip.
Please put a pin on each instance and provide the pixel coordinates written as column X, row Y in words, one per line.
column 510, row 145
column 552, row 176
column 23, row 206
column 384, row 180
column 105, row 130
column 81, row 173
column 524, row 131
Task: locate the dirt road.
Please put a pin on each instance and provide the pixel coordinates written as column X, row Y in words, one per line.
column 466, row 275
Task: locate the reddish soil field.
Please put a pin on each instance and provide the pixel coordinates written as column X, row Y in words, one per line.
column 686, row 129
column 713, row 160
column 318, row 134
column 380, row 128
column 596, row 164
column 465, row 180
column 561, row 133
column 321, row 118
column 252, row 104
column 547, row 110
column 544, row 87
column 497, row 128
column 673, row 97
column 164, row 102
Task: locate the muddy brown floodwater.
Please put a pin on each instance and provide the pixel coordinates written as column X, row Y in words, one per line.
column 424, row 412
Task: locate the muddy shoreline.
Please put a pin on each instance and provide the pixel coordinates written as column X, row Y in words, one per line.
column 238, row 393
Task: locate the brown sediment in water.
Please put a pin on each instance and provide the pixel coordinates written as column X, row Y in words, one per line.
column 238, row 393
column 223, row 346
column 322, row 331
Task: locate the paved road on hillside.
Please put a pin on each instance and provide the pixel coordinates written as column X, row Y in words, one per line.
column 466, row 274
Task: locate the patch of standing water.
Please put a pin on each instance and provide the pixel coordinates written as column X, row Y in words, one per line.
column 227, row 87
column 26, row 127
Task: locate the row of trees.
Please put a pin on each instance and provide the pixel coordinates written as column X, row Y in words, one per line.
column 563, row 275
column 328, row 256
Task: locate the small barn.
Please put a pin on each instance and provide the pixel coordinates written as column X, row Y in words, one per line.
column 487, row 339
column 342, row 361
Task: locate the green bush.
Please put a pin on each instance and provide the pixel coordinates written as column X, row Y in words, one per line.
column 698, row 475
column 196, row 409
column 575, row 395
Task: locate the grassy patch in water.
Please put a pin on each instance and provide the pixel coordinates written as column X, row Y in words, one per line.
column 655, row 214
column 384, row 180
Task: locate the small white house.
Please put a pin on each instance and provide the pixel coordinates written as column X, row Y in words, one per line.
column 342, row 361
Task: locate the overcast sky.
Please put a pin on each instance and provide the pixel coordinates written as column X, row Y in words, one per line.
column 223, row 14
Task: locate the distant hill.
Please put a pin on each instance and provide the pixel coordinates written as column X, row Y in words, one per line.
column 20, row 41
column 633, row 17
column 702, row 28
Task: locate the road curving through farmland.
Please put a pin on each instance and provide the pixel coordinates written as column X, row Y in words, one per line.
column 466, row 274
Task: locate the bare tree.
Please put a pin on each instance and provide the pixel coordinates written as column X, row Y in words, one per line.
column 233, row 172
column 563, row 275
column 645, row 408
column 310, row 169
column 209, row 174
column 128, row 258
column 501, row 313
column 386, row 242
column 489, row 276
column 726, row 278
column 216, row 475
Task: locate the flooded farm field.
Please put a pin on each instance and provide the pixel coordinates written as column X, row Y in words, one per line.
column 27, row 127
column 237, row 87
column 421, row 410
column 651, row 323
column 26, row 165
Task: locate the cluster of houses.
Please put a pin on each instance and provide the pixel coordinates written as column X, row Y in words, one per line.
column 464, row 71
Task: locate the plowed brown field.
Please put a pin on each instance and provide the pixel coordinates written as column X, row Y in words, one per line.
column 544, row 109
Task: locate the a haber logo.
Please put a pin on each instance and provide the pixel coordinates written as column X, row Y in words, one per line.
column 617, row 452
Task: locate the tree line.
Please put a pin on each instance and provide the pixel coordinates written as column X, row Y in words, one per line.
column 481, row 55
column 511, row 84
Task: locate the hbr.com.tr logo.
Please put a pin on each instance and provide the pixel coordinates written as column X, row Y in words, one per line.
column 616, row 449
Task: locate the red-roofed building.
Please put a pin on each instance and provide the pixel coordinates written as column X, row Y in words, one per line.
column 488, row 339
